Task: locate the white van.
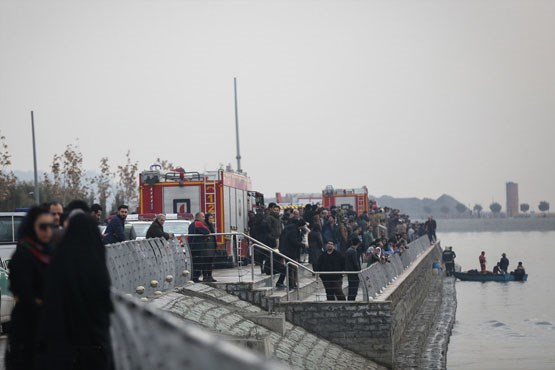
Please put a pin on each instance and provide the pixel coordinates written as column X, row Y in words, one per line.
column 9, row 224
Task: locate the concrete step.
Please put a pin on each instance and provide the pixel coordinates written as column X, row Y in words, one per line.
column 319, row 294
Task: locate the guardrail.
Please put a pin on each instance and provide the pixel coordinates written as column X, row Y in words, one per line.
column 373, row 279
column 148, row 338
column 151, row 266
column 147, row 267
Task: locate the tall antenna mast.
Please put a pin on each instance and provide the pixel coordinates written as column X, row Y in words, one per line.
column 37, row 196
column 237, row 127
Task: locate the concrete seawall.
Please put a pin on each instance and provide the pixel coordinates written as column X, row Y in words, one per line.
column 496, row 224
column 378, row 329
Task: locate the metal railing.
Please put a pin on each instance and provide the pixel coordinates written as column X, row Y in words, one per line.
column 373, row 278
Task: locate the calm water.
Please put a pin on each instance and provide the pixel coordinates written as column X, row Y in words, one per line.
column 504, row 325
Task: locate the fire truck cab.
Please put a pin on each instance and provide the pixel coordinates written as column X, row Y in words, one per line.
column 345, row 198
column 226, row 194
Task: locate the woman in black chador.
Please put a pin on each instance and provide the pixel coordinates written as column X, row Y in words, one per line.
column 75, row 331
column 27, row 275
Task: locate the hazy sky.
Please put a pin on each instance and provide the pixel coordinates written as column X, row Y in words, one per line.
column 411, row 98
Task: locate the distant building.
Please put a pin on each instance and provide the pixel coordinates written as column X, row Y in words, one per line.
column 512, row 199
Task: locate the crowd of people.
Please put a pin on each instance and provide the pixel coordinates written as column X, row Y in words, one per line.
column 334, row 239
column 61, row 285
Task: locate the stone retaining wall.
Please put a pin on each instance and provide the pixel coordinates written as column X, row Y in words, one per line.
column 407, row 298
column 371, row 329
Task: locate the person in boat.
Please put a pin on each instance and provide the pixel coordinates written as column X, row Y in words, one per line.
column 504, row 264
column 482, row 260
column 448, row 258
column 497, row 269
column 519, row 272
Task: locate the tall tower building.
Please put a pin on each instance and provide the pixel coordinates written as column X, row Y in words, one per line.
column 512, row 199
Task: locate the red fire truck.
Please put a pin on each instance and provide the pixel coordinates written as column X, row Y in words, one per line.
column 344, row 198
column 225, row 193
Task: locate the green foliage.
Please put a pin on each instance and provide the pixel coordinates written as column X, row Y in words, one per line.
column 524, row 207
column 495, row 207
column 478, row 209
column 543, row 206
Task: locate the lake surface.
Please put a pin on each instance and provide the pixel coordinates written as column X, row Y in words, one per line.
column 504, row 325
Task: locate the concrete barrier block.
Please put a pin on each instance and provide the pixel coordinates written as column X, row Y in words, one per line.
column 272, row 321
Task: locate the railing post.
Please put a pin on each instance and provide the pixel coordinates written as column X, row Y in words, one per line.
column 287, row 279
column 272, row 270
column 298, row 290
column 364, row 288
column 251, row 251
column 317, row 286
column 235, row 249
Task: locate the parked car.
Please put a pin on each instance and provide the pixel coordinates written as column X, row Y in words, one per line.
column 175, row 224
column 9, row 223
column 141, row 228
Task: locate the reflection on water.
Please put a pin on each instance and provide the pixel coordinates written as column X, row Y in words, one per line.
column 504, row 325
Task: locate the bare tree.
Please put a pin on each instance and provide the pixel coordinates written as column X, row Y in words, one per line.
column 165, row 164
column 7, row 178
column 66, row 182
column 128, row 183
column 103, row 183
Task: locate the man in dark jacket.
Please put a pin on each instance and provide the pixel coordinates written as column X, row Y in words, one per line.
column 259, row 231
column 273, row 225
column 198, row 244
column 504, row 263
column 291, row 246
column 331, row 260
column 273, row 228
column 115, row 231
column 431, row 227
column 330, row 230
column 448, row 258
column 352, row 263
column 156, row 229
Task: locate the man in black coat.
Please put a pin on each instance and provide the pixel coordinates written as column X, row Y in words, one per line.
column 156, row 229
column 331, row 260
column 291, row 245
column 448, row 257
column 352, row 263
column 431, row 227
column 198, row 244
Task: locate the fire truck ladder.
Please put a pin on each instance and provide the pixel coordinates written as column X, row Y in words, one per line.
column 210, row 199
column 360, row 205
